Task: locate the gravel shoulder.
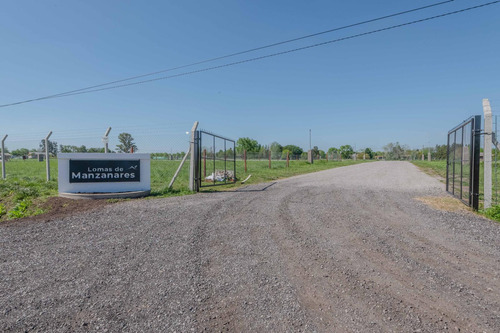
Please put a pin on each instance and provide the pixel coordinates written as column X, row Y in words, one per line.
column 343, row 250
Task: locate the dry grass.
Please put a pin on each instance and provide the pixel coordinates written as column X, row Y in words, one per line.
column 445, row 203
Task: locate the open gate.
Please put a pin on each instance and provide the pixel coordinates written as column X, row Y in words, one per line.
column 463, row 161
column 216, row 160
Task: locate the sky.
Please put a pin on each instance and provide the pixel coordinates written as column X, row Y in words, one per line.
column 409, row 85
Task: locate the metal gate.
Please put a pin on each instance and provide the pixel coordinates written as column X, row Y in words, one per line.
column 216, row 160
column 462, row 167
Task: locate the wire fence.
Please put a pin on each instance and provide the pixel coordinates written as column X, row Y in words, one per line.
column 25, row 154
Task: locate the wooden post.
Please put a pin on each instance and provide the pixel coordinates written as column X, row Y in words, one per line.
column 245, row 158
column 269, row 158
column 287, row 159
column 326, row 157
column 204, row 163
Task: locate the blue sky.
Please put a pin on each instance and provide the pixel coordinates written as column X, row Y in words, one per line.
column 410, row 85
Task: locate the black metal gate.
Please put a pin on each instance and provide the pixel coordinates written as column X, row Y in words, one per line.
column 462, row 167
column 216, row 160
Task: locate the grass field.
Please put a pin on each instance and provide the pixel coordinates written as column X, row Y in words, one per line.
column 25, row 186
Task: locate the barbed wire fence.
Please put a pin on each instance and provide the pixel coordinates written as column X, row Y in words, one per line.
column 25, row 152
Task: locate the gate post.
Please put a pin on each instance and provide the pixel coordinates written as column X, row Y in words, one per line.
column 193, row 165
column 476, row 151
column 488, row 129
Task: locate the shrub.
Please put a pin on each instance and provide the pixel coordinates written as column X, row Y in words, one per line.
column 493, row 213
column 20, row 210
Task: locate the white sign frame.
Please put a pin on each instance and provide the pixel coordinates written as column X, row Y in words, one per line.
column 112, row 187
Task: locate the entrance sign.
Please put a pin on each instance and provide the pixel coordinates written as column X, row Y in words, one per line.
column 103, row 173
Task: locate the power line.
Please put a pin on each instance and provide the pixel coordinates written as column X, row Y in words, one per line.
column 236, row 53
column 261, row 47
column 83, row 91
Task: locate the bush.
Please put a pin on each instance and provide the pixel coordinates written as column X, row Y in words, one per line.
column 3, row 210
column 493, row 213
column 20, row 210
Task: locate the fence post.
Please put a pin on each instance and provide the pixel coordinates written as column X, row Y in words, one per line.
column 3, row 155
column 269, row 158
column 47, row 159
column 193, row 183
column 287, row 159
column 488, row 129
column 245, row 158
column 105, row 139
column 475, row 163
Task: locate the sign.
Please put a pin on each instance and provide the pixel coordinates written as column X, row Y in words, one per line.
column 102, row 171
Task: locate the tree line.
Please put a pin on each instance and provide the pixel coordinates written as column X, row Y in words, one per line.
column 127, row 145
column 391, row 151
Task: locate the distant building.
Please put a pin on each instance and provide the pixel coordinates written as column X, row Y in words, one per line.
column 7, row 156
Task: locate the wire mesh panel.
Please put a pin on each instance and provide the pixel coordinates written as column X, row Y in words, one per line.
column 217, row 160
column 462, row 168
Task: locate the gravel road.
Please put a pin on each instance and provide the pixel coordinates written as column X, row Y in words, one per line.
column 342, row 250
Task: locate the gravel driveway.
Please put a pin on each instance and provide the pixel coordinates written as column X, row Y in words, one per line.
column 342, row 250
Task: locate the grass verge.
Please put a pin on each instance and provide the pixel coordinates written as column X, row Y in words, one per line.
column 438, row 169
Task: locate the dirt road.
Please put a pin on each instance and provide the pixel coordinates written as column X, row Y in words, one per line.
column 343, row 250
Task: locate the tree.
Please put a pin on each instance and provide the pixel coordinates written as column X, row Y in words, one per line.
column 394, row 151
column 441, row 152
column 346, row 151
column 276, row 150
column 294, row 150
column 20, row 152
column 52, row 147
column 97, row 150
column 315, row 152
column 369, row 153
column 250, row 145
column 72, row 149
column 126, row 143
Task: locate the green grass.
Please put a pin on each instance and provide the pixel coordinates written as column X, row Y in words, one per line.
column 438, row 168
column 25, row 186
column 434, row 168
